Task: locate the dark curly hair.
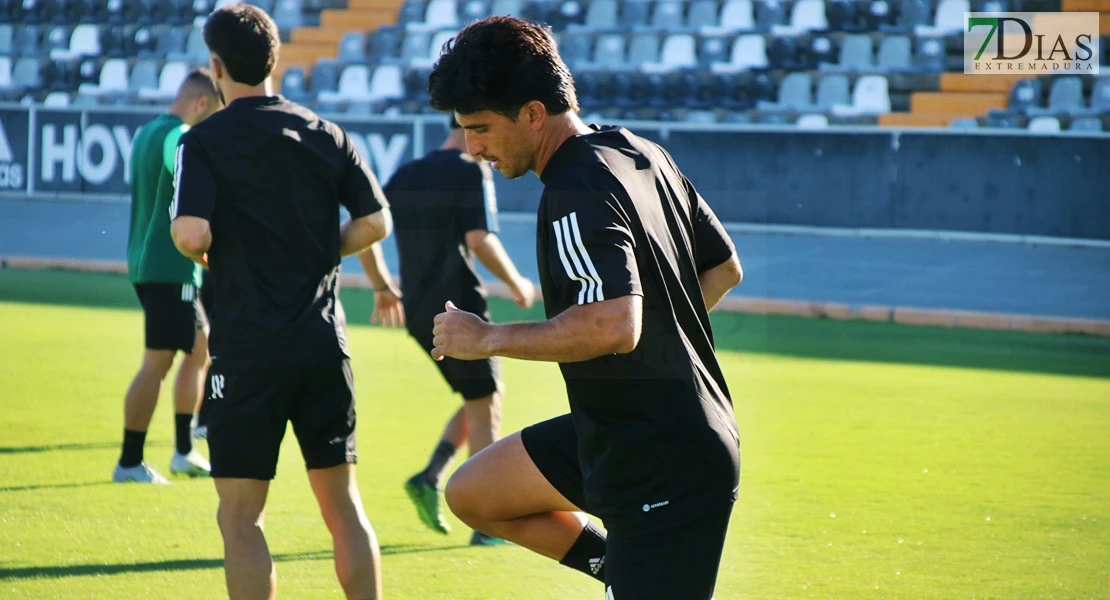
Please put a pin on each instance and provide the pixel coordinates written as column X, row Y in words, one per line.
column 500, row 64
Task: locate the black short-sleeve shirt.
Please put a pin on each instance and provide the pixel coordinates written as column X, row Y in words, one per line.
column 655, row 427
column 435, row 201
column 270, row 176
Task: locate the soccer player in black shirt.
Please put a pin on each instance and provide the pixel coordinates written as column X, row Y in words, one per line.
column 631, row 261
column 445, row 214
column 258, row 196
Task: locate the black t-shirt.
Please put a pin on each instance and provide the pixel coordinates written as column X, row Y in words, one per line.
column 270, row 176
column 658, row 443
column 435, row 201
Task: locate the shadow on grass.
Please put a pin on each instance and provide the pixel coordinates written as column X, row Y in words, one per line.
column 53, row 486
column 780, row 335
column 194, row 564
column 67, row 447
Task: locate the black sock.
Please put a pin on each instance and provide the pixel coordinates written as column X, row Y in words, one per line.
column 443, row 454
column 183, row 425
column 588, row 553
column 133, row 442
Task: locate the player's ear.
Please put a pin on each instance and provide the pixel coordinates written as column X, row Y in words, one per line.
column 535, row 114
column 217, row 66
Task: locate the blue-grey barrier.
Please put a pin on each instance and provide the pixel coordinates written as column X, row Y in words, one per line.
column 979, row 181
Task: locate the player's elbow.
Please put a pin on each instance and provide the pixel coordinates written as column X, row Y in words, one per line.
column 622, row 334
column 379, row 226
column 625, row 340
column 735, row 271
column 476, row 239
column 190, row 236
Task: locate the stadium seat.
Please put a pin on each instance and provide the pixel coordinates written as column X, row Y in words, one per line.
column 1003, row 120
column 7, row 33
column 667, row 15
column 737, row 118
column 634, row 13
column 432, row 52
column 354, row 86
column 113, row 79
column 712, row 49
column 505, row 7
column 807, row 15
column 930, row 55
column 412, row 11
column 56, row 100
column 173, row 73
column 171, row 42
column 27, row 40
column 748, row 52
column 27, row 74
column 877, row 16
column 1025, row 95
column 601, row 15
column 761, row 86
column 288, row 14
column 769, row 14
column 5, row 73
column 293, row 84
column 841, row 15
column 949, row 18
column 913, row 14
column 140, row 41
column 871, row 96
column 112, row 42
column 539, row 11
column 575, row 48
column 964, row 124
column 812, row 122
column 84, row 41
column 990, row 6
column 384, row 43
column 609, row 52
column 57, row 40
column 440, row 14
column 143, row 75
column 782, row 53
column 1064, row 97
column 387, row 83
column 473, row 10
column 1100, row 96
column 795, row 94
column 1044, row 124
column 679, row 52
column 415, row 45
column 820, row 51
column 416, row 85
column 54, row 11
column 644, row 48
column 352, row 47
column 325, row 77
column 266, row 5
column 895, row 53
column 833, row 90
column 1086, row 125
column 856, row 54
column 703, row 15
column 570, row 13
column 196, row 52
column 737, row 15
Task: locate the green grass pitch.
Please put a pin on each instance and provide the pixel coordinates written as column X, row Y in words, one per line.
column 879, row 461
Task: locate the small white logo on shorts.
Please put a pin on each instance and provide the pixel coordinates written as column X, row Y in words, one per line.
column 338, row 440
column 217, row 386
column 596, row 564
column 649, row 507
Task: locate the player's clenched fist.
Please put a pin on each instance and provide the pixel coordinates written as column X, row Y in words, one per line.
column 459, row 334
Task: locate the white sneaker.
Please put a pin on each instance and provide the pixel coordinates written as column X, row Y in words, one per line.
column 191, row 464
column 200, row 433
column 140, row 473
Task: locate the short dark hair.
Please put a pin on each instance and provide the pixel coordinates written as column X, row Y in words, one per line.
column 245, row 39
column 199, row 82
column 500, row 64
column 454, row 123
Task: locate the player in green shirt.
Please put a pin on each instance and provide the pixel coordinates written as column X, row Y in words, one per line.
column 168, row 287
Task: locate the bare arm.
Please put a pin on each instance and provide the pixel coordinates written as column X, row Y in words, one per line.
column 716, row 282
column 487, row 247
column 356, row 235
column 580, row 333
column 193, row 238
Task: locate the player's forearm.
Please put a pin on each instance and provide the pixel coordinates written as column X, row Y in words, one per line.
column 717, row 282
column 373, row 263
column 193, row 237
column 356, row 235
column 493, row 256
column 578, row 334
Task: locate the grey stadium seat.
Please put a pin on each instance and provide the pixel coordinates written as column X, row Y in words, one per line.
column 833, row 90
column 602, row 15
column 703, row 13
column 895, row 53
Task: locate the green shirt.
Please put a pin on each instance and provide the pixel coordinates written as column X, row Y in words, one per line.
column 151, row 254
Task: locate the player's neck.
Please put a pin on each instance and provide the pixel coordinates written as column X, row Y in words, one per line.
column 234, row 91
column 560, row 129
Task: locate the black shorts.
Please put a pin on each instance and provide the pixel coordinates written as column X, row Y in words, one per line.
column 472, row 379
column 249, row 412
column 172, row 315
column 638, row 566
